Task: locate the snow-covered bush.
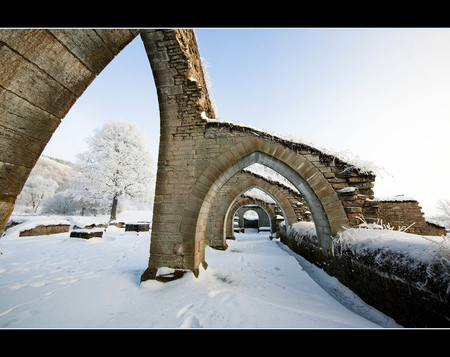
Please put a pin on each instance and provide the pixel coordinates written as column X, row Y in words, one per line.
column 304, row 230
column 61, row 203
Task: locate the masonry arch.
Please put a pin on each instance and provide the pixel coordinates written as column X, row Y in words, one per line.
column 328, row 212
column 219, row 224
column 243, row 201
column 44, row 72
column 47, row 70
column 254, row 213
column 280, row 200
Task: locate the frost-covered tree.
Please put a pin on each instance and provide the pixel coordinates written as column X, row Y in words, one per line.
column 444, row 207
column 36, row 189
column 116, row 163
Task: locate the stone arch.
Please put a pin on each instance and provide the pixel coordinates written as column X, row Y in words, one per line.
column 279, row 198
column 216, row 228
column 240, row 202
column 327, row 210
column 221, row 225
column 264, row 212
column 44, row 71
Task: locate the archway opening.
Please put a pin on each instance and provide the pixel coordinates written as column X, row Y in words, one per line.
column 321, row 221
column 251, row 221
column 252, row 218
column 127, row 91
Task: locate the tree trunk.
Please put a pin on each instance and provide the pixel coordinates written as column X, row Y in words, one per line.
column 114, row 208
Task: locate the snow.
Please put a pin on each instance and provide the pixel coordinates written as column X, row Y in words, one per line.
column 347, row 190
column 421, row 259
column 418, row 248
column 303, row 229
column 398, row 198
column 56, row 281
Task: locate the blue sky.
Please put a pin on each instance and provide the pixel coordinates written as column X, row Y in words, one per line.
column 380, row 94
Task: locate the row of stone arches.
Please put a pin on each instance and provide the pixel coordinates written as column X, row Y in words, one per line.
column 197, row 156
column 230, row 198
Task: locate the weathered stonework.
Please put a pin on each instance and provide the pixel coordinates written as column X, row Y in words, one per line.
column 45, row 229
column 401, row 214
column 43, row 72
column 411, row 298
column 196, row 156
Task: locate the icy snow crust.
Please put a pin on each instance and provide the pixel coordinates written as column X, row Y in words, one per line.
column 56, row 281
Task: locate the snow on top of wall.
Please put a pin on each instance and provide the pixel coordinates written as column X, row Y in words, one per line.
column 271, row 176
column 345, row 159
column 397, row 198
column 32, row 223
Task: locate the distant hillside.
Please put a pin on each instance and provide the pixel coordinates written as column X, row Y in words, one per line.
column 56, row 169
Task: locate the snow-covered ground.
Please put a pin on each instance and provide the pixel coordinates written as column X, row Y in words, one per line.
column 60, row 282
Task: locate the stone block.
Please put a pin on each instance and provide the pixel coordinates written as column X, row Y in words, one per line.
column 87, row 233
column 45, row 230
column 41, row 89
column 137, row 227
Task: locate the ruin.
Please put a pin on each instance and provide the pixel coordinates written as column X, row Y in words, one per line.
column 200, row 176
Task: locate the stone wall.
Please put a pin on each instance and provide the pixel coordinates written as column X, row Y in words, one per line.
column 412, row 300
column 47, row 229
column 401, row 213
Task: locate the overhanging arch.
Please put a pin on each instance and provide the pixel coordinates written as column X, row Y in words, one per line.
column 47, row 70
column 44, row 72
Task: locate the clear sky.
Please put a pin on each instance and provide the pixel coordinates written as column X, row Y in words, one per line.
column 380, row 94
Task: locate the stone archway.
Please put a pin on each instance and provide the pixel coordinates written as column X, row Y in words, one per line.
column 217, row 229
column 247, row 214
column 243, row 201
column 43, row 74
column 329, row 215
column 45, row 71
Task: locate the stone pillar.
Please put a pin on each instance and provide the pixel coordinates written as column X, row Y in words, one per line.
column 182, row 96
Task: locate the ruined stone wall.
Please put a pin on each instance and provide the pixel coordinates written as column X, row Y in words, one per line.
column 45, row 230
column 399, row 214
column 411, row 299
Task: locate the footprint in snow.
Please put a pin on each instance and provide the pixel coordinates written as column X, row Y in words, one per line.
column 183, row 310
column 191, row 322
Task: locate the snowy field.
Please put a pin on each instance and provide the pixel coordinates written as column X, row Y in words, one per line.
column 60, row 282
